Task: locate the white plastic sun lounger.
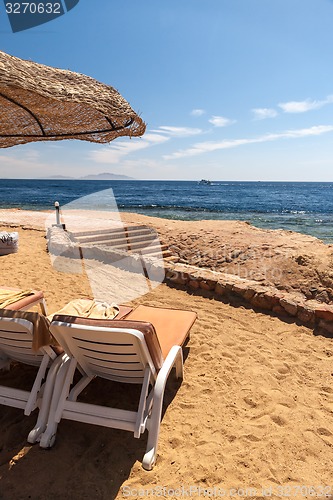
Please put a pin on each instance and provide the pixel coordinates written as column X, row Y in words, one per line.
column 16, row 336
column 129, row 351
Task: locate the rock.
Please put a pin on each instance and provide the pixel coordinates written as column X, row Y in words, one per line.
column 248, row 294
column 220, row 288
column 307, row 293
column 322, row 297
column 229, row 286
column 280, row 287
column 170, row 273
column 279, row 310
column 194, row 284
column 261, row 301
column 208, row 284
column 240, row 289
column 274, row 296
column 306, row 315
column 302, row 260
column 258, row 295
column 235, row 253
column 324, row 312
column 289, row 306
column 179, row 280
column 325, row 325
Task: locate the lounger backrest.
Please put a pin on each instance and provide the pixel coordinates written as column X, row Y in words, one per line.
column 16, row 341
column 118, row 351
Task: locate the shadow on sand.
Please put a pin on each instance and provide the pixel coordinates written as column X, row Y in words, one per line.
column 92, row 460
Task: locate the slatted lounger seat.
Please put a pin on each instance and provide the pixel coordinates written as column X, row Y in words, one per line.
column 141, row 349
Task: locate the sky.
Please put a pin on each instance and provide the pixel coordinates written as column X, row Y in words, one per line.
column 228, row 89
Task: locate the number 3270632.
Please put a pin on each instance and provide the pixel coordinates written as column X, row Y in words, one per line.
column 33, row 8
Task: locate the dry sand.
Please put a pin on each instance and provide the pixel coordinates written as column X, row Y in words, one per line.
column 255, row 408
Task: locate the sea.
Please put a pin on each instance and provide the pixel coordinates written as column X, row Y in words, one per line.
column 305, row 207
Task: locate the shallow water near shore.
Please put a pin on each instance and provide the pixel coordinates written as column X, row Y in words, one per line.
column 305, row 207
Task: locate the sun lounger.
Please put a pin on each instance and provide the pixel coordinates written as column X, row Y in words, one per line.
column 21, row 300
column 141, row 349
column 16, row 344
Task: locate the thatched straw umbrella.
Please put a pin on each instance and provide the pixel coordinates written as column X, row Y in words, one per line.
column 40, row 103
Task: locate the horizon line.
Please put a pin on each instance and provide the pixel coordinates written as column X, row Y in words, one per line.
column 64, row 179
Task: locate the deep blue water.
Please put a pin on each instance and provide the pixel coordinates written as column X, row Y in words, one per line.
column 305, row 207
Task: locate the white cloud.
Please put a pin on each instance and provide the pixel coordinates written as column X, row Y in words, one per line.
column 220, row 121
column 263, row 113
column 114, row 152
column 178, row 131
column 206, row 147
column 299, row 106
column 198, row 112
column 151, row 138
column 303, row 106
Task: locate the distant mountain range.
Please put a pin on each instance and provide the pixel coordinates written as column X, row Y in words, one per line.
column 94, row 177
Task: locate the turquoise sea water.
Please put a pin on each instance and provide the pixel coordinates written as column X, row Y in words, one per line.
column 305, row 207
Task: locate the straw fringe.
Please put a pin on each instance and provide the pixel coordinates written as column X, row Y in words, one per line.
column 39, row 103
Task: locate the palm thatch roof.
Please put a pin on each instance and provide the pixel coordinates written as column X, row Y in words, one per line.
column 40, row 103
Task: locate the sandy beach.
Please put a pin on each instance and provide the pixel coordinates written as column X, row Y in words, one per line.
column 255, row 409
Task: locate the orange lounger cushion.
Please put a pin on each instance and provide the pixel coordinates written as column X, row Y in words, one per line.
column 172, row 326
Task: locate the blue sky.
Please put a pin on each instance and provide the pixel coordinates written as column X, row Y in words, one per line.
column 229, row 89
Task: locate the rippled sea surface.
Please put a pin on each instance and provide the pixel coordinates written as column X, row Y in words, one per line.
column 305, row 207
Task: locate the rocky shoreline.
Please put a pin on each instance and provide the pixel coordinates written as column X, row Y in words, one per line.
column 227, row 287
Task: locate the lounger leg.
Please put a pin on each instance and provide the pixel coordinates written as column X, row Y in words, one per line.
column 31, row 403
column 179, row 365
column 78, row 388
column 37, row 431
column 61, row 389
column 174, row 357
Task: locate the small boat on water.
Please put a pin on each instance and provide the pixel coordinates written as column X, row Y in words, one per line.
column 205, row 182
